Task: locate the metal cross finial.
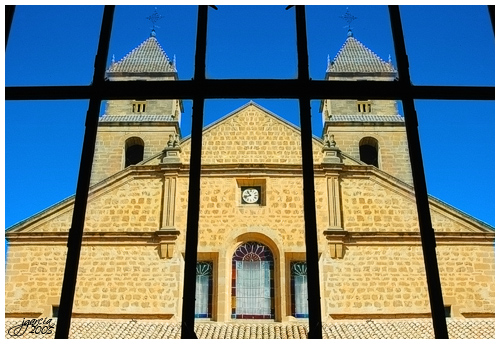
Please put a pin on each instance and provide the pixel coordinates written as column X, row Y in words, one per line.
column 154, row 18
column 348, row 17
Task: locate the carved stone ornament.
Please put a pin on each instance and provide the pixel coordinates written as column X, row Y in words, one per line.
column 171, row 153
column 331, row 153
column 166, row 242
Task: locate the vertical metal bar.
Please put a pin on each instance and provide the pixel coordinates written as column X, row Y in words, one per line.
column 193, row 212
column 9, row 15
column 76, row 231
column 417, row 168
column 491, row 10
column 311, row 236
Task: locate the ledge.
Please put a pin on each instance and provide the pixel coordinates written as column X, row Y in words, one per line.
column 93, row 238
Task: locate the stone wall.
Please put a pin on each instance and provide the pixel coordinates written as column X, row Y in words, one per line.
column 112, row 280
column 166, row 107
column 133, row 205
column 252, row 137
column 392, row 144
column 221, row 211
column 349, row 107
column 391, row 280
column 109, row 155
column 370, row 207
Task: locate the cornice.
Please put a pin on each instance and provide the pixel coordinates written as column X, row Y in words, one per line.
column 94, row 238
column 407, row 238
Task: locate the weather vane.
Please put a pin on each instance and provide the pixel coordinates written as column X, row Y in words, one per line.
column 348, row 17
column 154, row 18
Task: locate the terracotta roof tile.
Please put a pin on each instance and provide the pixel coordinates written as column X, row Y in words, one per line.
column 344, row 329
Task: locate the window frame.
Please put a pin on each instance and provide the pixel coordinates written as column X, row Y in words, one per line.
column 265, row 255
column 138, row 106
column 200, row 89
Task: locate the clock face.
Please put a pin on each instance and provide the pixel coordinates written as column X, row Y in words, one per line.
column 250, row 195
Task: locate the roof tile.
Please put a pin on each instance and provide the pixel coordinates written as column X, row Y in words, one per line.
column 367, row 118
column 148, row 57
column 136, row 118
column 354, row 57
column 342, row 329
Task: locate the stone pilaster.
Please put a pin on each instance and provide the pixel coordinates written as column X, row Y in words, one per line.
column 334, row 204
column 168, row 210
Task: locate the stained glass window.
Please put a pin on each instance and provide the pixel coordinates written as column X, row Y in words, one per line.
column 252, row 292
column 300, row 307
column 203, row 304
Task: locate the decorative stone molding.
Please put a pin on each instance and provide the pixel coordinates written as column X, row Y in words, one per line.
column 171, row 153
column 331, row 153
column 334, row 204
column 336, row 242
column 168, row 200
column 166, row 242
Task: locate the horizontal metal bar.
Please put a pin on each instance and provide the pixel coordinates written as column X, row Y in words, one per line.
column 258, row 88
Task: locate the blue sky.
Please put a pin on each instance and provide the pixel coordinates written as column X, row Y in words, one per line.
column 56, row 45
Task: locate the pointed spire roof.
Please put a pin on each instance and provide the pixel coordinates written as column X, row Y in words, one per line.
column 148, row 57
column 354, row 57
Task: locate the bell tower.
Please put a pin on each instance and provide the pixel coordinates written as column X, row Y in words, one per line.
column 369, row 130
column 135, row 130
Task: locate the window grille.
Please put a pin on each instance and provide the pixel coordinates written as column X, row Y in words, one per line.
column 200, row 89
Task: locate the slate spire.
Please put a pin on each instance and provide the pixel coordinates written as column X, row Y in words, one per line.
column 354, row 57
column 148, row 57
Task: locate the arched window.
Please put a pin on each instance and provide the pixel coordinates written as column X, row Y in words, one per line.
column 134, row 151
column 368, row 151
column 252, row 287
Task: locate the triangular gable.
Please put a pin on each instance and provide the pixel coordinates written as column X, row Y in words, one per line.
column 251, row 135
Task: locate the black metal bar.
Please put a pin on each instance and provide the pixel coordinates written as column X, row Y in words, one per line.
column 257, row 88
column 311, row 233
column 9, row 15
column 193, row 212
column 417, row 167
column 491, row 10
column 82, row 189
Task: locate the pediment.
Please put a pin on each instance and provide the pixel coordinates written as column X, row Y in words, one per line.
column 251, row 135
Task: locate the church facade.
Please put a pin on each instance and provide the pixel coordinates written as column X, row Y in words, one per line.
column 251, row 251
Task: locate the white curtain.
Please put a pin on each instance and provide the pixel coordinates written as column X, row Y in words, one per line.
column 201, row 304
column 253, row 288
column 301, row 306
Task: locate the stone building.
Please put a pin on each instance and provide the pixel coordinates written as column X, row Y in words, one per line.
column 251, row 274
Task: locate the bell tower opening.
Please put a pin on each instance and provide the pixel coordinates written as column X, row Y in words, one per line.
column 134, row 151
column 368, row 151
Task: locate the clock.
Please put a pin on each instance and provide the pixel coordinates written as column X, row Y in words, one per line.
column 250, row 195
